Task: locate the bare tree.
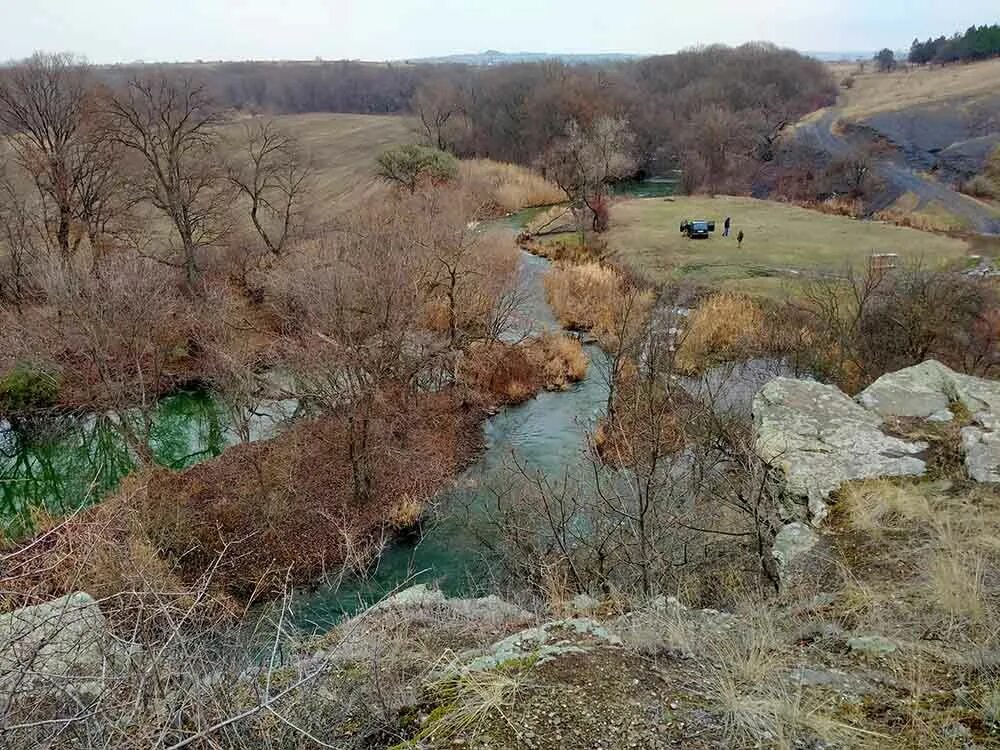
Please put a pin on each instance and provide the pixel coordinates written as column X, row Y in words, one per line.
column 715, row 142
column 272, row 176
column 469, row 268
column 49, row 108
column 438, row 104
column 171, row 123
column 583, row 163
column 19, row 237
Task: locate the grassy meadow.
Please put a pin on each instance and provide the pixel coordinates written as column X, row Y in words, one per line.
column 875, row 92
column 343, row 149
column 782, row 242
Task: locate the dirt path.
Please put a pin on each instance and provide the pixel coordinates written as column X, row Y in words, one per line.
column 819, row 132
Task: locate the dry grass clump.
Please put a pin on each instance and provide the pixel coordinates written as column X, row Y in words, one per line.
column 928, row 220
column 759, row 705
column 982, row 186
column 727, row 326
column 881, row 505
column 561, row 359
column 470, row 702
column 508, row 187
column 597, row 298
column 931, row 549
column 987, row 184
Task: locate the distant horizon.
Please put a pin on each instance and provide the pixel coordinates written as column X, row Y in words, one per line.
column 823, row 55
column 109, row 32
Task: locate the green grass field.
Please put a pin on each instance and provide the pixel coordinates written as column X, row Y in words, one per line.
column 783, row 244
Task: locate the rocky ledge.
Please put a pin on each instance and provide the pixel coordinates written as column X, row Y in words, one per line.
column 819, row 438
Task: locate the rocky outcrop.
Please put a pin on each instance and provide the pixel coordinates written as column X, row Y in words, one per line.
column 819, row 438
column 929, row 391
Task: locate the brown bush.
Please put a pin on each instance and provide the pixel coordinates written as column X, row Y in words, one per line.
column 560, row 359
column 982, row 186
column 852, row 331
column 509, row 374
column 285, row 509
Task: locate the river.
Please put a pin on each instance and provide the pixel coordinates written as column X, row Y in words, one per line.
column 546, row 434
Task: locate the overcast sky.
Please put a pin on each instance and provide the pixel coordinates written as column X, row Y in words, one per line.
column 108, row 31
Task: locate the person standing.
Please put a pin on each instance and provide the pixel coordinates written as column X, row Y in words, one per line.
column 739, row 240
column 725, row 227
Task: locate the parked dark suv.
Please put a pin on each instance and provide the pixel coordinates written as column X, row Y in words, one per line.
column 699, row 229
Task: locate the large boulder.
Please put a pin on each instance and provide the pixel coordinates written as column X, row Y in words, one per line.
column 820, row 438
column 63, row 644
column 931, row 390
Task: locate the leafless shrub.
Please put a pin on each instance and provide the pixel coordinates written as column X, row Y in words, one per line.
column 883, row 320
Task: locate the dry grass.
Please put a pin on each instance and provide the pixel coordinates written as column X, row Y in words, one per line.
column 750, row 688
column 782, row 242
column 342, row 149
column 727, row 326
column 508, row 187
column 471, row 702
column 875, row 92
column 932, row 216
column 590, row 296
column 561, row 360
column 878, row 506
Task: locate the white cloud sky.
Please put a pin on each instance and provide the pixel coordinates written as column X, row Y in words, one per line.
column 125, row 30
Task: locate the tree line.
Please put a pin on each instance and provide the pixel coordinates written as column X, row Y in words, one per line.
column 706, row 107
column 977, row 43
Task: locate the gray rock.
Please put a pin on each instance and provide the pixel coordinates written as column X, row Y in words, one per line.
column 584, row 604
column 790, row 544
column 871, row 645
column 546, row 642
column 63, row 644
column 928, row 390
column 918, row 391
column 982, row 453
column 819, row 438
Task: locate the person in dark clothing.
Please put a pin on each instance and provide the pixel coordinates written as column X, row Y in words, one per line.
column 725, row 227
column 739, row 239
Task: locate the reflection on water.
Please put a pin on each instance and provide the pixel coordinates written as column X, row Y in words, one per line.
column 653, row 187
column 70, row 462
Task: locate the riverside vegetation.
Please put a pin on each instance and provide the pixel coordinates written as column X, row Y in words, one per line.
column 664, row 586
